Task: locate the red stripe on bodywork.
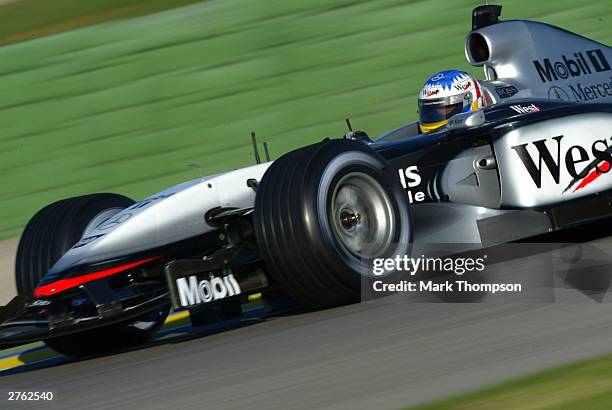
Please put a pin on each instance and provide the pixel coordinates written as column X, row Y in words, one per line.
column 596, row 173
column 68, row 283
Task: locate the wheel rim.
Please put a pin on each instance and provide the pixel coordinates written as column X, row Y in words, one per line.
column 362, row 216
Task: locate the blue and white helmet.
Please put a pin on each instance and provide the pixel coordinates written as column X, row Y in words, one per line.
column 445, row 94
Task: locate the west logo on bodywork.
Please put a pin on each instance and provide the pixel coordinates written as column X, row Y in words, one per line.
column 597, row 159
column 525, row 109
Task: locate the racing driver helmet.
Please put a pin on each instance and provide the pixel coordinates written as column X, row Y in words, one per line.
column 445, row 94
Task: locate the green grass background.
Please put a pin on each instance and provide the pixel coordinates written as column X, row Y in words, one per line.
column 128, row 104
column 582, row 386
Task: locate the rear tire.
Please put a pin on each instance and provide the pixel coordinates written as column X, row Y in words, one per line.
column 50, row 234
column 322, row 213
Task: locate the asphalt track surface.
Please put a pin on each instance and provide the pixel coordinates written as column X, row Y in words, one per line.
column 379, row 354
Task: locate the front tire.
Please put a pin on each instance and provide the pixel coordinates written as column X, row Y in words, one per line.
column 47, row 237
column 323, row 213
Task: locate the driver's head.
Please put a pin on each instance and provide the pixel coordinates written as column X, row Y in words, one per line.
column 445, row 94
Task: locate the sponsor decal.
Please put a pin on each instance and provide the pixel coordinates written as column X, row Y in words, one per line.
column 467, row 99
column 456, row 122
column 410, row 178
column 429, row 93
column 437, row 77
column 558, row 93
column 86, row 241
column 578, row 64
column 525, row 109
column 40, row 302
column 506, row 92
column 150, row 200
column 114, row 222
column 599, row 170
column 591, row 92
column 593, row 161
column 463, row 87
column 192, row 291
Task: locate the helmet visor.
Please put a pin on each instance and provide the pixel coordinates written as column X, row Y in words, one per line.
column 440, row 109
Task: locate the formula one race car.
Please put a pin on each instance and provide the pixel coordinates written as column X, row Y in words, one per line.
column 101, row 271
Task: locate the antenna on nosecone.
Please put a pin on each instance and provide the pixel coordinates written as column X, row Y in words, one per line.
column 348, row 124
column 254, row 141
column 265, row 144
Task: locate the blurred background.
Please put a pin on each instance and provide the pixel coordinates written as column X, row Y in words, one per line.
column 125, row 95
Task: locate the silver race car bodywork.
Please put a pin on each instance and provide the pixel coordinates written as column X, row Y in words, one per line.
column 534, row 161
column 525, row 59
column 167, row 217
